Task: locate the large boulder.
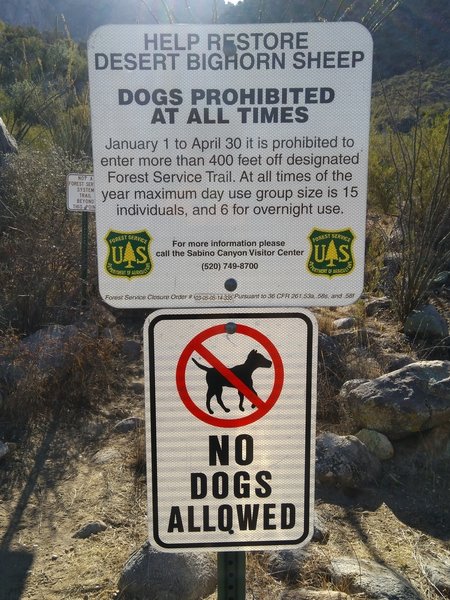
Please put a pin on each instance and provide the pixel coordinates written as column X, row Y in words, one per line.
column 314, row 595
column 153, row 575
column 345, row 461
column 287, row 565
column 426, row 323
column 412, row 399
column 371, row 578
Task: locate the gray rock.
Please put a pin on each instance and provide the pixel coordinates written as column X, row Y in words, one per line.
column 350, row 385
column 377, row 443
column 441, row 388
column 441, row 280
column 438, row 571
column 359, row 338
column 412, row 399
column 345, row 461
column 321, row 531
column 89, row 529
column 4, row 449
column 373, row 579
column 8, row 144
column 106, row 455
column 426, row 323
column 129, row 424
column 314, row 595
column 392, row 362
column 287, row 565
column 153, row 575
column 344, row 323
column 378, row 305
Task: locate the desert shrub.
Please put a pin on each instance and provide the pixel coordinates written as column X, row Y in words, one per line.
column 59, row 376
column 71, row 130
column 382, row 182
column 376, row 247
column 45, row 78
column 39, row 240
column 409, row 181
column 421, row 159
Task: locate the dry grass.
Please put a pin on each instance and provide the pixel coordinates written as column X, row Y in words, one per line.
column 60, row 376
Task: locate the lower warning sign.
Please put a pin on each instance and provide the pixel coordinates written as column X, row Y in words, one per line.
column 230, row 415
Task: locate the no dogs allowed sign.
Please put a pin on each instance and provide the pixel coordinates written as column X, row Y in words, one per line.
column 230, row 413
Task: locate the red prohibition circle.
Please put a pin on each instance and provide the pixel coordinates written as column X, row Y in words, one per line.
column 262, row 408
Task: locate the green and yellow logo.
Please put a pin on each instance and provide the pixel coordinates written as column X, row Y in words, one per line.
column 129, row 253
column 331, row 252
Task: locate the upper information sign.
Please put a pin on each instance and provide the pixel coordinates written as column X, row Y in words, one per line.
column 230, row 163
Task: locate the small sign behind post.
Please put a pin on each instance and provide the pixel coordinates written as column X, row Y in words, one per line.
column 81, row 198
column 230, row 407
column 230, row 163
column 80, row 192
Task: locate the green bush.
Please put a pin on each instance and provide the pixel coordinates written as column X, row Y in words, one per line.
column 422, row 161
column 409, row 178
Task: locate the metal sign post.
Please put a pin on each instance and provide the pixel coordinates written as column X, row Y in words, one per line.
column 84, row 255
column 80, row 198
column 231, row 575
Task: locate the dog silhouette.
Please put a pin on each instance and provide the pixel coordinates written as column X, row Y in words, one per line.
column 216, row 381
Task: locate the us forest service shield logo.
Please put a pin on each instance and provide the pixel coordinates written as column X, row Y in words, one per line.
column 331, row 252
column 129, row 253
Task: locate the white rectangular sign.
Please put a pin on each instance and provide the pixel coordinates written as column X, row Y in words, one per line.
column 80, row 192
column 230, row 163
column 230, row 415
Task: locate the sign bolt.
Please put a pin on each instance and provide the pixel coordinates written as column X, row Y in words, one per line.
column 230, row 328
column 230, row 285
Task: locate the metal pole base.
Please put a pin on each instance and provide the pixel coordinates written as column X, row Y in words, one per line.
column 231, row 576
